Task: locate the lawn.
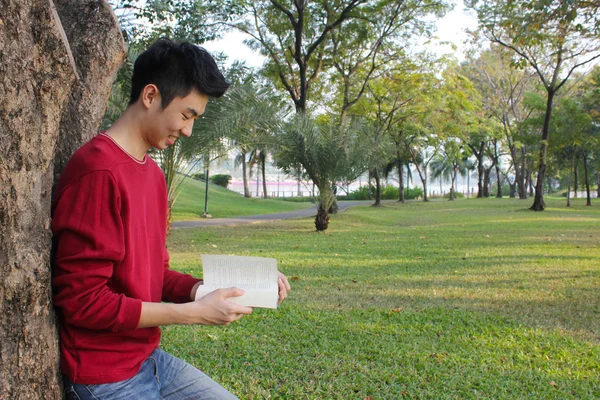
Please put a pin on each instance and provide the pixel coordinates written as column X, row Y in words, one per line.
column 471, row 299
column 223, row 203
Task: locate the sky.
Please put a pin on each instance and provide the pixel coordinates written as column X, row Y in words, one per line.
column 450, row 28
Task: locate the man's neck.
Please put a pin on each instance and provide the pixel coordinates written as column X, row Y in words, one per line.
column 126, row 132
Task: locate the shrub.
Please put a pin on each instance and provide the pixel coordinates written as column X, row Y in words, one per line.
column 388, row 192
column 199, row 176
column 362, row 193
column 457, row 195
column 221, row 179
column 413, row 193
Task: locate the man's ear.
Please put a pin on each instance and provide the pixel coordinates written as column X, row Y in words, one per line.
column 150, row 96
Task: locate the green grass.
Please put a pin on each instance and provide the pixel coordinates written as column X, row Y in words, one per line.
column 223, row 203
column 471, row 299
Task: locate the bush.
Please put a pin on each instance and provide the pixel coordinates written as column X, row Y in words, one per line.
column 388, row 192
column 413, row 193
column 221, row 179
column 457, row 195
column 199, row 176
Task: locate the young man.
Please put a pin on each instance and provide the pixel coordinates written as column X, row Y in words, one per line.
column 111, row 277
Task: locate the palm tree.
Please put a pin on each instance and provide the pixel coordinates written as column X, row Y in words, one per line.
column 447, row 163
column 325, row 152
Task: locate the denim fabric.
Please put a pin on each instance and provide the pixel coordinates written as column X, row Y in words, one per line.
column 162, row 376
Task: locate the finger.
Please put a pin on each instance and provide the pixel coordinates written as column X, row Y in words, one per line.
column 232, row 292
column 241, row 310
column 282, row 291
column 284, row 279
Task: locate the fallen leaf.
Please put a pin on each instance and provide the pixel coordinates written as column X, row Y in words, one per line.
column 553, row 384
column 294, row 278
column 354, row 280
column 214, row 246
column 397, row 309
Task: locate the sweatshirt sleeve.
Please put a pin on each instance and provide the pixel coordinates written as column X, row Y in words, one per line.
column 176, row 286
column 89, row 241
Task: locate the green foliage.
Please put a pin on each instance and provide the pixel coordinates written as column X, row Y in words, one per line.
column 388, row 192
column 199, row 176
column 327, row 153
column 220, row 179
column 224, row 203
column 441, row 300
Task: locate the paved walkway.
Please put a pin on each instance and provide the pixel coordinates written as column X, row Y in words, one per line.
column 306, row 212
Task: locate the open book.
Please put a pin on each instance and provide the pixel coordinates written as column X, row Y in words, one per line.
column 257, row 276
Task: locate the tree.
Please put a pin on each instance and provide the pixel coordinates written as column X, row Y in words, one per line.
column 503, row 88
column 326, row 153
column 448, row 163
column 58, row 64
column 554, row 37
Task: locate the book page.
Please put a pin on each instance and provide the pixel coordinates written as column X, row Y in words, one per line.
column 226, row 271
column 257, row 276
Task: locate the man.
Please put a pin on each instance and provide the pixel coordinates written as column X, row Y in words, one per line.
column 111, row 277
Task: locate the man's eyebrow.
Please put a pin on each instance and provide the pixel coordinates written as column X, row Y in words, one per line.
column 192, row 111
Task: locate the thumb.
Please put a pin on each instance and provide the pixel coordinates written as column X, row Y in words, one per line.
column 232, row 292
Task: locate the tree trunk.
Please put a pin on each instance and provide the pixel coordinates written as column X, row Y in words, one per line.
column 263, row 163
column 538, row 202
column 480, row 175
column 401, row 198
column 486, row 182
column 451, row 197
column 569, row 184
column 587, row 182
column 575, row 179
column 524, row 175
column 498, row 183
column 377, row 188
column 58, row 64
column 598, row 182
column 245, row 176
column 325, row 201
column 513, row 189
column 530, row 183
column 518, row 172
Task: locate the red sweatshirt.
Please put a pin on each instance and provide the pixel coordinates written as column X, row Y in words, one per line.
column 109, row 223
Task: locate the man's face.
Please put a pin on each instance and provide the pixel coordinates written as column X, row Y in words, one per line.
column 167, row 125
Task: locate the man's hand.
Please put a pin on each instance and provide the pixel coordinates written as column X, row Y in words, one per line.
column 284, row 287
column 214, row 309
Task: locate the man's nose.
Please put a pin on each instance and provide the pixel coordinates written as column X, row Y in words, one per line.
column 187, row 129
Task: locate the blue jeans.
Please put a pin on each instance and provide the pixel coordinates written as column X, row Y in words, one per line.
column 162, row 376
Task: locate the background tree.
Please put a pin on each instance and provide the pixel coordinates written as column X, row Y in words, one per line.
column 502, row 87
column 553, row 37
column 326, row 152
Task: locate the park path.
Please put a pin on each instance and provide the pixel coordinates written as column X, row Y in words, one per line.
column 249, row 219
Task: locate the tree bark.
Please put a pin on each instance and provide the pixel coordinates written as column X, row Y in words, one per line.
column 377, row 187
column 245, row 176
column 538, row 202
column 524, row 175
column 569, row 185
column 587, row 182
column 479, row 153
column 401, row 198
column 325, row 201
column 58, row 63
column 575, row 179
column 263, row 163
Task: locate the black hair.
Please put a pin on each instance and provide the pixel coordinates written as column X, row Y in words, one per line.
column 176, row 69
